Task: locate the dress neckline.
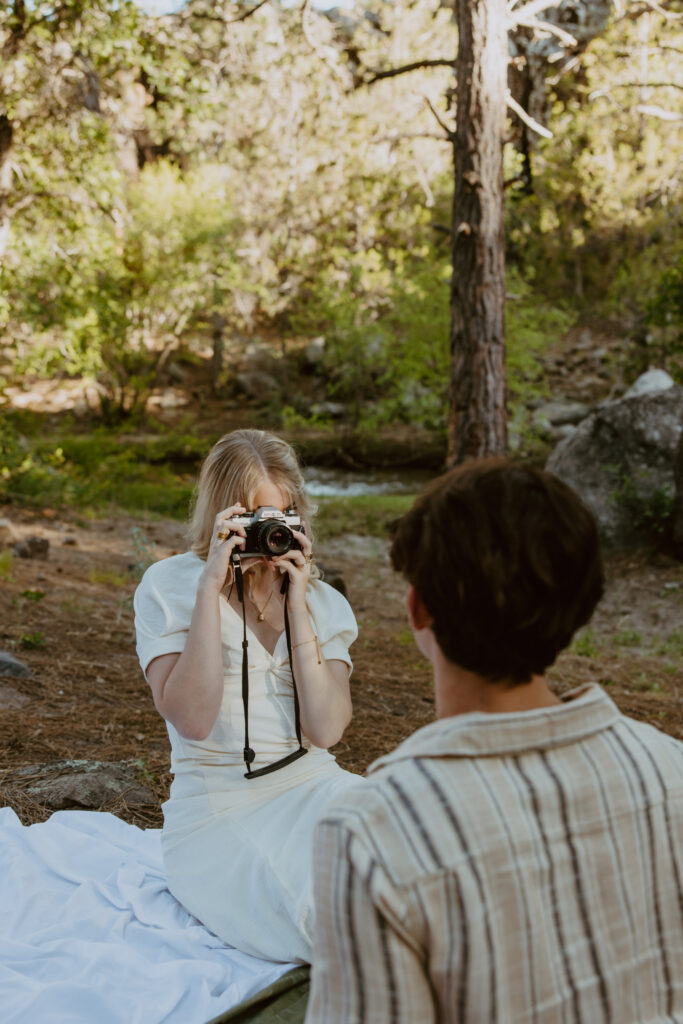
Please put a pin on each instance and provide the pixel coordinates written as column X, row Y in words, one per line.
column 250, row 630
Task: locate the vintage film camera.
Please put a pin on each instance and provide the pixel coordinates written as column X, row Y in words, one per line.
column 269, row 531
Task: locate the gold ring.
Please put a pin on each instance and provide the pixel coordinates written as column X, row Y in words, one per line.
column 222, row 535
column 309, row 559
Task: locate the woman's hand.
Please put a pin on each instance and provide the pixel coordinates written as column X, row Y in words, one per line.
column 297, row 564
column 227, row 536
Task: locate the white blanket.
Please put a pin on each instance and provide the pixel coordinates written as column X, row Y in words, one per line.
column 89, row 933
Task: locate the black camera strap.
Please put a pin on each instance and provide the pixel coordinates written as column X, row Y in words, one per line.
column 248, row 752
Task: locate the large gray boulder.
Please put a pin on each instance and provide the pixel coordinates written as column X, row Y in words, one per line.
column 621, row 461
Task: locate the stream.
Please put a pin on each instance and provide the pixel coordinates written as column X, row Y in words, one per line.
column 323, row 482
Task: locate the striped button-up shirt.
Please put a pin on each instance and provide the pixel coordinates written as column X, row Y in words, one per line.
column 507, row 868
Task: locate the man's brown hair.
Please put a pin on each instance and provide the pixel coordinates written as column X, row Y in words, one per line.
column 506, row 559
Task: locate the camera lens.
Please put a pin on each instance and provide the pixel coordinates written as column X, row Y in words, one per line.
column 274, row 538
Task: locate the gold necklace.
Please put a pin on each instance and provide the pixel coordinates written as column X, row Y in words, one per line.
column 261, row 611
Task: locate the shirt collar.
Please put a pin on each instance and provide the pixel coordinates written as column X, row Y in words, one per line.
column 583, row 712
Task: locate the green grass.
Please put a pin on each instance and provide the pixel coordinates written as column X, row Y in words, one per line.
column 6, row 566
column 370, row 515
column 584, row 644
column 673, row 645
column 102, row 471
column 31, row 641
column 109, row 576
column 627, row 638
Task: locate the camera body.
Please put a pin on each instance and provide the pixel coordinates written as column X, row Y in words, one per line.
column 268, row 531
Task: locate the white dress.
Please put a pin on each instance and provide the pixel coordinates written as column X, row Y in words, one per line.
column 238, row 852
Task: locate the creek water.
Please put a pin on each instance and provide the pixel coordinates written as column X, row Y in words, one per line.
column 333, row 483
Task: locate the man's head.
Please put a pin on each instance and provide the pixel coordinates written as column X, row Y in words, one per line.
column 506, row 561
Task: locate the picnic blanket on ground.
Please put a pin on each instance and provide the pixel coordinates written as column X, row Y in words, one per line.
column 89, row 932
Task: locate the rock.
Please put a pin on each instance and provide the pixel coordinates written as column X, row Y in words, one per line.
column 70, row 541
column 8, row 535
column 11, row 698
column 32, row 547
column 172, row 399
column 257, row 384
column 314, row 352
column 332, row 409
column 11, row 666
column 650, row 383
column 556, row 434
column 621, row 461
column 558, row 412
column 91, row 784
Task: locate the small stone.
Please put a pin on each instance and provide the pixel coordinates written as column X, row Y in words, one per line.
column 11, row 666
column 32, row 547
column 70, row 541
column 11, row 698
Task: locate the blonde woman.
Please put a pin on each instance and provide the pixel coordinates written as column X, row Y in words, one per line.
column 238, row 824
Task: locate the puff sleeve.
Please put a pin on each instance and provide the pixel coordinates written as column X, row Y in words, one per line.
column 335, row 623
column 163, row 603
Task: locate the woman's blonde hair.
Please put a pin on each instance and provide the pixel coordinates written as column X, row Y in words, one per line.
column 234, row 470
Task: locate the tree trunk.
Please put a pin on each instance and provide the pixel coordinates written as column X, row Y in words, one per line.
column 477, row 423
column 6, row 133
column 218, row 342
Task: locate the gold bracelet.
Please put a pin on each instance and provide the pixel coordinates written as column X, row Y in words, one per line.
column 313, row 640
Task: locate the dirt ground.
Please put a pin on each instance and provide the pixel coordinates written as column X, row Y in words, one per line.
column 69, row 618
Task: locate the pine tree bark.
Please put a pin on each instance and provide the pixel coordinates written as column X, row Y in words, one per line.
column 478, row 422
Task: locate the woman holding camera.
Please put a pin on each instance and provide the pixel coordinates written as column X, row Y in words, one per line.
column 248, row 664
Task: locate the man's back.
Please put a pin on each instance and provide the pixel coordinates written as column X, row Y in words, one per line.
column 511, row 867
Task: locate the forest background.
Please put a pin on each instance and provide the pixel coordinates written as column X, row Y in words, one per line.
column 227, row 189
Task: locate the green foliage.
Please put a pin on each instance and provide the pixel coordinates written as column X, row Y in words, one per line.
column 664, row 313
column 101, row 469
column 33, row 595
column 114, row 311
column 585, row 644
column 6, row 565
column 650, row 512
column 32, row 641
column 290, row 201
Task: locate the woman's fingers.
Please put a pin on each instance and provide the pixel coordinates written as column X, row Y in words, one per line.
column 224, row 528
column 303, row 541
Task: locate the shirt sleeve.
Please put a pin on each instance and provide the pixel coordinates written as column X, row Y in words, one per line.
column 366, row 968
column 162, row 615
column 335, row 623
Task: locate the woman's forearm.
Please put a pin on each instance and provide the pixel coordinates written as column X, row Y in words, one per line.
column 323, row 687
column 191, row 696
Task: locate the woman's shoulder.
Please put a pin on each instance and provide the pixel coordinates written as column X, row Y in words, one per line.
column 180, row 570
column 325, row 602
